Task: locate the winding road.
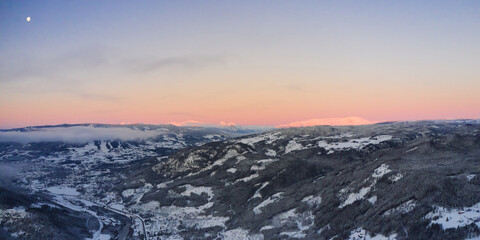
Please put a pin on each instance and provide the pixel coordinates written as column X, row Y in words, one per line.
column 65, row 201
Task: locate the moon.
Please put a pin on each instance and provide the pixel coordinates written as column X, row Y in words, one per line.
column 28, row 19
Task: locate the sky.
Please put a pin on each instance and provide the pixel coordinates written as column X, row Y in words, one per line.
column 243, row 62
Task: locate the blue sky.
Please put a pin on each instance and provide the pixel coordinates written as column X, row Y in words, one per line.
column 268, row 62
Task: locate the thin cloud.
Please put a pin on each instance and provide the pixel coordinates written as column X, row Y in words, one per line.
column 99, row 97
column 98, row 59
column 57, row 67
column 328, row 121
column 145, row 64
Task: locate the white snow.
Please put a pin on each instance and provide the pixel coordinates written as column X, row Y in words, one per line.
column 376, row 175
column 412, row 149
column 232, row 170
column 166, row 219
column 355, row 144
column 240, row 234
column 353, row 197
column 257, row 193
column 267, row 161
column 470, row 177
column 261, row 164
column 312, row 200
column 230, row 154
column 380, row 171
column 197, row 190
column 104, row 237
column 240, row 158
column 61, row 190
column 303, row 221
column 128, row 192
column 403, row 208
column 150, row 206
column 361, row 234
column 268, row 227
column 117, row 206
column 269, row 138
column 194, row 156
column 248, row 178
column 103, row 146
column 372, row 200
column 257, row 168
column 213, row 136
column 274, row 198
column 455, row 217
column 164, row 184
column 271, row 153
column 138, row 192
column 293, row 146
column 63, row 200
column 396, row 177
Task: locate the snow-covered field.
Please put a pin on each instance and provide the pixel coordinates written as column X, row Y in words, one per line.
column 455, row 217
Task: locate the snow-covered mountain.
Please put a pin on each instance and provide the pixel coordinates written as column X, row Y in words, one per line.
column 75, row 167
column 402, row 180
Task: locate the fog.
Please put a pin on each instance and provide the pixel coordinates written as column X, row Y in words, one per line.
column 8, row 172
column 77, row 134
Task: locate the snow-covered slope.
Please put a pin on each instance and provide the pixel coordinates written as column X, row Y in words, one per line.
column 404, row 180
column 407, row 180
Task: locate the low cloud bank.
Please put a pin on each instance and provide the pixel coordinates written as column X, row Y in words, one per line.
column 77, row 134
column 328, row 121
column 8, row 173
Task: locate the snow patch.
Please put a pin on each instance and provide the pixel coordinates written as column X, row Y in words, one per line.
column 455, row 217
column 403, row 208
column 257, row 193
column 353, row 197
column 261, row 164
column 293, row 146
column 294, row 225
column 271, row 153
column 356, row 144
column 274, row 198
column 61, row 190
column 361, row 234
column 412, row 149
column 380, row 171
column 248, row 178
column 128, row 193
column 197, row 190
column 312, row 200
column 396, row 177
column 240, row 234
column 470, row 177
column 269, row 138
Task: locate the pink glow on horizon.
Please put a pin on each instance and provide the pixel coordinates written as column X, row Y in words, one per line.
column 227, row 124
column 328, row 121
column 190, row 123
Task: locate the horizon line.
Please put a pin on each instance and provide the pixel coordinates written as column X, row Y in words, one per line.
column 206, row 125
